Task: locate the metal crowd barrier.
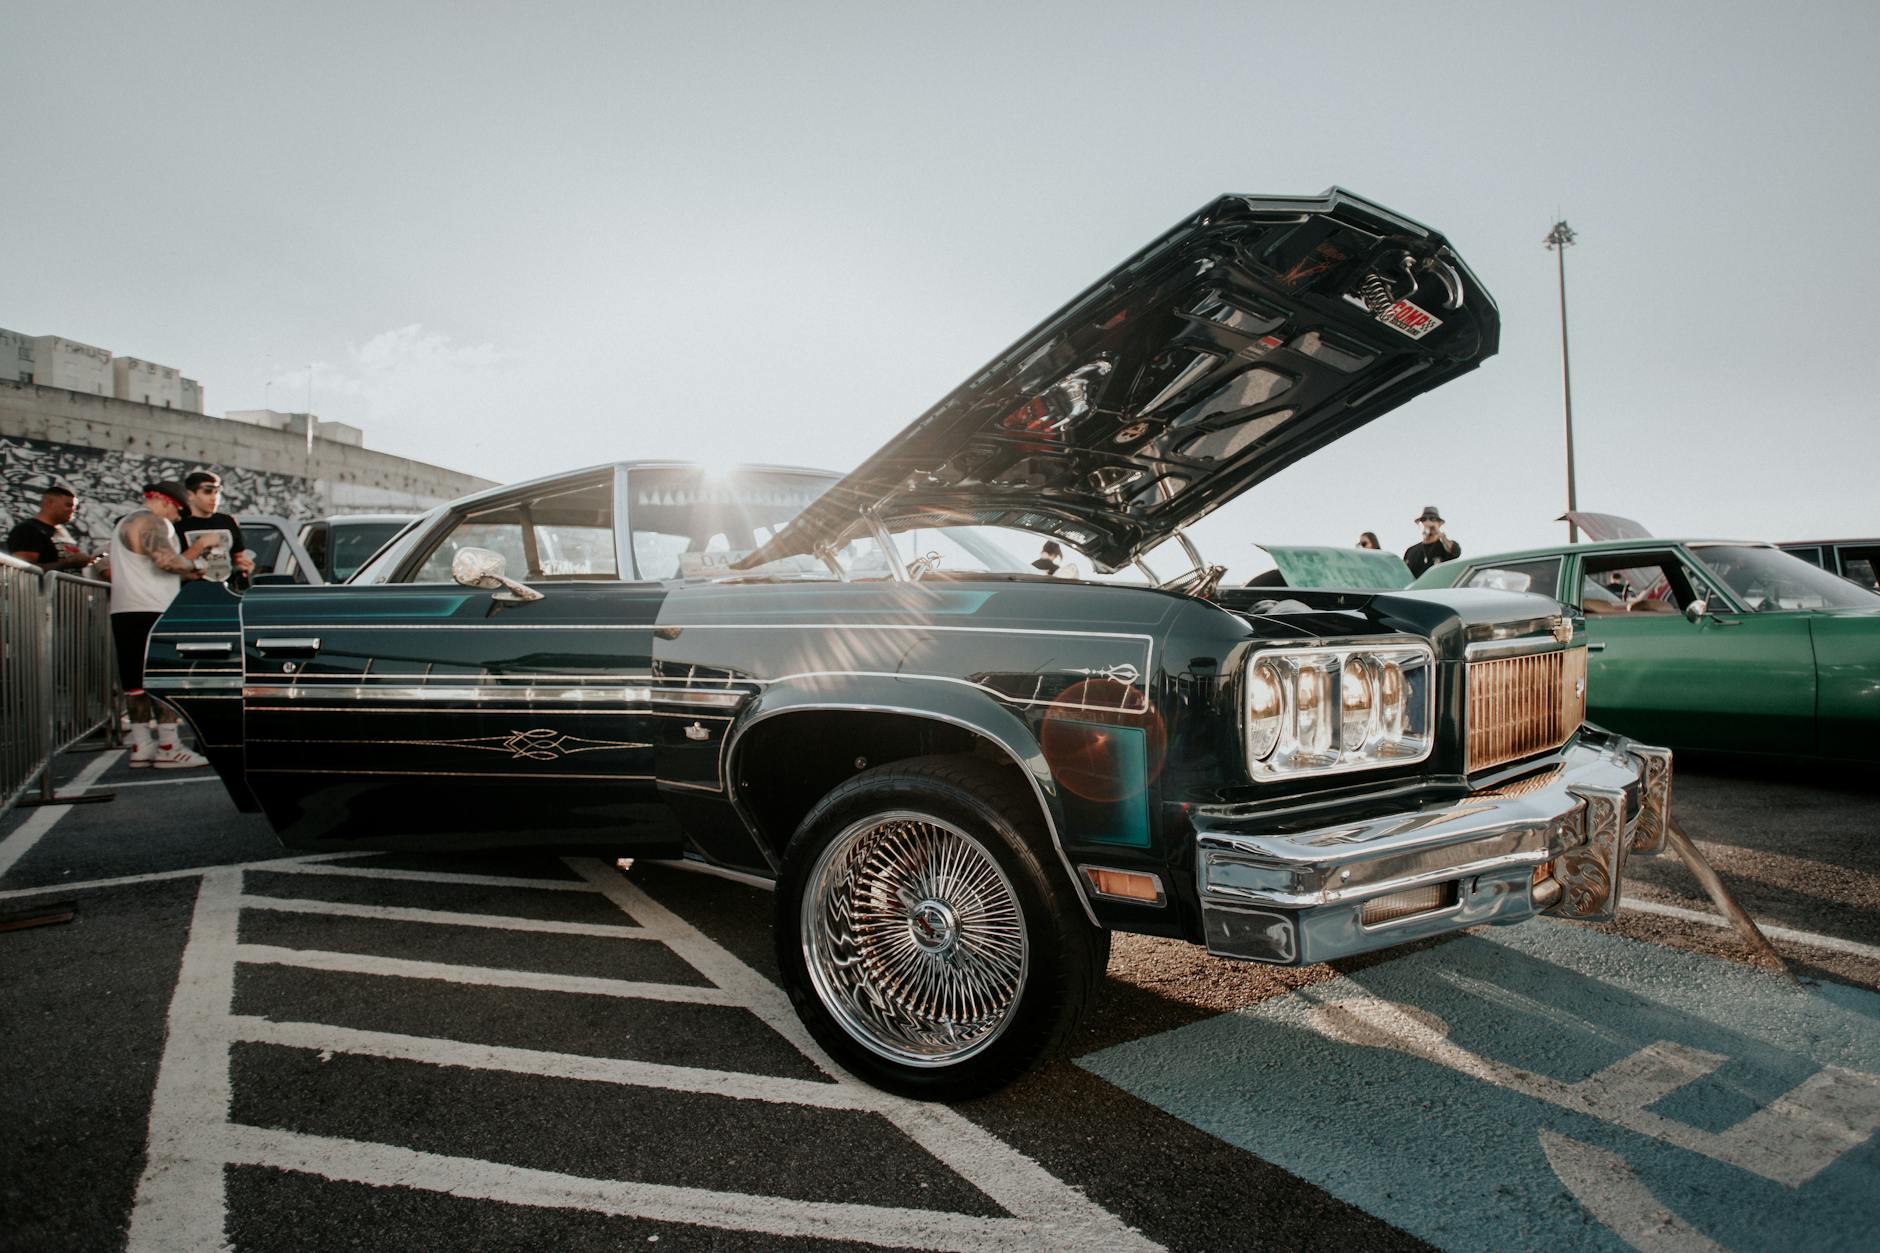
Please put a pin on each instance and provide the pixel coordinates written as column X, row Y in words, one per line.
column 58, row 676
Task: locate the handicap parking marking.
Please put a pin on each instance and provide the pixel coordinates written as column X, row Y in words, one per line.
column 195, row 1136
column 1548, row 1084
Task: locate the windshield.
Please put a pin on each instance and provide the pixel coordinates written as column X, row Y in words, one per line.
column 355, row 542
column 1770, row 580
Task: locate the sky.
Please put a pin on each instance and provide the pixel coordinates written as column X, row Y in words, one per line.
column 514, row 239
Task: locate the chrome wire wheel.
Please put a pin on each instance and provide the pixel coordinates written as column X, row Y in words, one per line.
column 914, row 939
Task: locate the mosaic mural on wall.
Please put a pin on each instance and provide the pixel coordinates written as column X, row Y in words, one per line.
column 110, row 484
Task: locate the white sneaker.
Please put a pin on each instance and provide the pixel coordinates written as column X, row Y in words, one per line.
column 143, row 746
column 170, row 753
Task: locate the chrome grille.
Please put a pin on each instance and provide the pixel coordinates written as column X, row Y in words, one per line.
column 1519, row 706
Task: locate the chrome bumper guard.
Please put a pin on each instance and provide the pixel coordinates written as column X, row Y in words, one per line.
column 1555, row 842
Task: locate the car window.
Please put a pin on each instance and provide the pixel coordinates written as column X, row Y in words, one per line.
column 314, row 541
column 689, row 522
column 562, row 534
column 1768, row 580
column 1861, row 565
column 1811, row 553
column 1637, row 583
column 1541, row 577
column 264, row 541
column 392, row 555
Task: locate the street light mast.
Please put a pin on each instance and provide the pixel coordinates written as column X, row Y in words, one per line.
column 1558, row 239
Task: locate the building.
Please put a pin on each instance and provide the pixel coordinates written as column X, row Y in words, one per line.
column 147, row 383
column 61, row 362
column 16, row 356
column 296, row 423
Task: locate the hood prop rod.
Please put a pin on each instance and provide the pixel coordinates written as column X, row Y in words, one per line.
column 871, row 518
column 1204, row 580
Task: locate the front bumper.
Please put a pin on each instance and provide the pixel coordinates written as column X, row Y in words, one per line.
column 1554, row 842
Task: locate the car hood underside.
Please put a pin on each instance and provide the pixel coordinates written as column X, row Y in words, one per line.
column 1257, row 331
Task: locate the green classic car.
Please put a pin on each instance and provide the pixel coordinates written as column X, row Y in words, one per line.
column 1716, row 645
column 962, row 766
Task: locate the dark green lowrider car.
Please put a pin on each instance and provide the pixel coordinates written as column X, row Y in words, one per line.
column 1719, row 645
column 961, row 770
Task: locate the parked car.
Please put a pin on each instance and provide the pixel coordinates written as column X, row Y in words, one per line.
column 339, row 545
column 1720, row 645
column 962, row 771
column 1856, row 559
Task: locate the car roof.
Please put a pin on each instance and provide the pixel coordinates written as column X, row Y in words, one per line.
column 506, row 488
column 1802, row 543
column 1605, row 546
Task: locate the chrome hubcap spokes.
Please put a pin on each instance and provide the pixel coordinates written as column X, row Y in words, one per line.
column 914, row 939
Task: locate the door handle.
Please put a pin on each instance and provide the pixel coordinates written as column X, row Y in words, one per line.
column 1596, row 648
column 204, row 646
column 289, row 644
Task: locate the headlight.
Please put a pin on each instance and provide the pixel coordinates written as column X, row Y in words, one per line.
column 1265, row 709
column 1344, row 707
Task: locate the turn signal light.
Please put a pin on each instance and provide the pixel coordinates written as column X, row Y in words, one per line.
column 1128, row 885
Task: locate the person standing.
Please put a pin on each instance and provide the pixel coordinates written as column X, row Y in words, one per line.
column 1368, row 539
column 1434, row 548
column 148, row 568
column 204, row 513
column 43, row 540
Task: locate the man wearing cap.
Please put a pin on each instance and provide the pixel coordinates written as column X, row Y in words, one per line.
column 43, row 539
column 147, row 570
column 1434, row 548
column 204, row 514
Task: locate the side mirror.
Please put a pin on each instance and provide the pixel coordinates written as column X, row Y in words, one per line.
column 1696, row 610
column 481, row 568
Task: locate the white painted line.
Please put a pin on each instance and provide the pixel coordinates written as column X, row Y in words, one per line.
column 196, row 778
column 1607, row 1187
column 1770, row 929
column 1017, row 1183
column 438, row 876
column 446, row 917
column 479, row 976
column 738, row 1085
column 158, row 876
column 180, row 1199
column 20, row 842
column 385, row 1165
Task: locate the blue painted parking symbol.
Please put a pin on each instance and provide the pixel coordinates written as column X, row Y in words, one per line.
column 1551, row 1084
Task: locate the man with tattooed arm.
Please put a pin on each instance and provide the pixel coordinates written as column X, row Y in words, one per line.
column 148, row 567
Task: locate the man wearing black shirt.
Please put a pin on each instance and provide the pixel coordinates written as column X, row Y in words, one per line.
column 1434, row 548
column 43, row 539
column 204, row 514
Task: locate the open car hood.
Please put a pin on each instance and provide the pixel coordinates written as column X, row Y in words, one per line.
column 1254, row 332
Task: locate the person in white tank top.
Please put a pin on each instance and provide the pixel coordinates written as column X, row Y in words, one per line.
column 147, row 570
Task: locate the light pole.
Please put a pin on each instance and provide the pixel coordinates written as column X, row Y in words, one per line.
column 1557, row 241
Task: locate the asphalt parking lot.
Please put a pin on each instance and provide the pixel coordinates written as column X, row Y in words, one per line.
column 228, row 1045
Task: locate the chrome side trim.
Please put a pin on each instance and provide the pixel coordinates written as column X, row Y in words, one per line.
column 490, row 695
column 1044, row 805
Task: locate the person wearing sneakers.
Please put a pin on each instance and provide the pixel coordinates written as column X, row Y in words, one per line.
column 147, row 570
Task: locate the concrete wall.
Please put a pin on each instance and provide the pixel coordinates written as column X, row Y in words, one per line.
column 108, row 448
column 192, row 397
column 61, row 362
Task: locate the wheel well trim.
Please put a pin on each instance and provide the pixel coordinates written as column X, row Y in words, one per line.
column 976, row 729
